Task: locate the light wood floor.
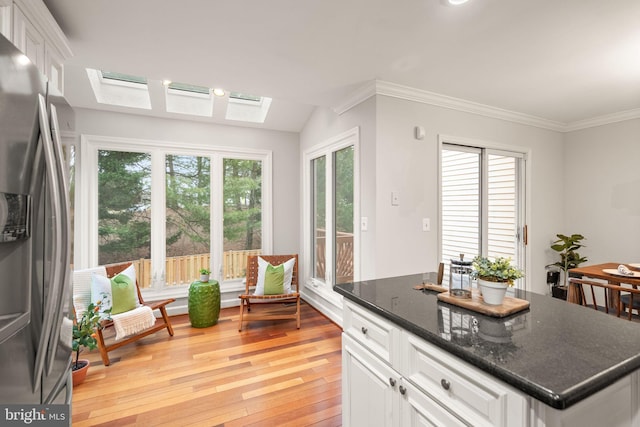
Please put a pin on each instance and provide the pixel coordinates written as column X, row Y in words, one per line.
column 270, row 374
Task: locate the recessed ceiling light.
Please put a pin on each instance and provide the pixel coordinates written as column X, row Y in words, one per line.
column 457, row 2
column 218, row 91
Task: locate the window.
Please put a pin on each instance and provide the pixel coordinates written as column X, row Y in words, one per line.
column 124, row 208
column 188, row 217
column 332, row 240
column 242, row 214
column 172, row 210
column 481, row 203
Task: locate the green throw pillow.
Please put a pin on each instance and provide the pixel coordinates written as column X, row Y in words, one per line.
column 123, row 294
column 274, row 280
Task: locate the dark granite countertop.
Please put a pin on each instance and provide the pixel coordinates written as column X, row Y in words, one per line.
column 556, row 352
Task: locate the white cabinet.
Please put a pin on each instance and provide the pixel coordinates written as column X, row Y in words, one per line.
column 463, row 389
column 38, row 36
column 390, row 377
column 28, row 38
column 374, row 394
column 369, row 388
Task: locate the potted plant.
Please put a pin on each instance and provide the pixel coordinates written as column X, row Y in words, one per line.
column 494, row 276
column 567, row 247
column 84, row 335
column 204, row 275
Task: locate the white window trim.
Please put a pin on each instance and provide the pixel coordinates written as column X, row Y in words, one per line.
column 326, row 148
column 86, row 224
column 493, row 148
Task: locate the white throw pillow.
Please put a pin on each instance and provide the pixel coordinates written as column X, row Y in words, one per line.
column 82, row 286
column 288, row 275
column 101, row 292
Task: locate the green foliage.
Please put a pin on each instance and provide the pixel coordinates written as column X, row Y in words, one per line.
column 124, row 192
column 567, row 247
column 205, row 271
column 84, row 330
column 498, row 270
column 243, row 202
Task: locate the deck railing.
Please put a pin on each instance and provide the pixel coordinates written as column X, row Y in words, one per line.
column 183, row 270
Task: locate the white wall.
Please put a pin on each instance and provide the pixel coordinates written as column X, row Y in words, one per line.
column 284, row 145
column 393, row 160
column 410, row 167
column 602, row 188
column 323, row 125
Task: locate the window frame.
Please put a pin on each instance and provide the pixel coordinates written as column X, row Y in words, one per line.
column 86, row 254
column 328, row 148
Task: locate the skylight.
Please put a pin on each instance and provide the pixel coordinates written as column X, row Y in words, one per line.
column 183, row 98
column 128, row 90
column 189, row 88
column 119, row 89
column 238, row 96
column 109, row 75
column 247, row 108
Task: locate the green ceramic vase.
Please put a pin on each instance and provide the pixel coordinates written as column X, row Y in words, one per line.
column 204, row 303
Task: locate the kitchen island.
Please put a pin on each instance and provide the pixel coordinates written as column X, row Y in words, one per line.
column 552, row 364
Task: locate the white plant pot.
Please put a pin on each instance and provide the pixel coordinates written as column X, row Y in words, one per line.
column 204, row 278
column 492, row 292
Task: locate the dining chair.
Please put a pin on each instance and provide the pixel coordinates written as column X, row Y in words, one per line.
column 605, row 293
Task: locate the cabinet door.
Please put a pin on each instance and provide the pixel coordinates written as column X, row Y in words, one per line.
column 369, row 388
column 54, row 70
column 28, row 39
column 419, row 410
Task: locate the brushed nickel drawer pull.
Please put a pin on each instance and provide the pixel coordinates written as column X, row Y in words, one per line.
column 392, row 382
column 364, row 330
column 445, row 384
column 403, row 390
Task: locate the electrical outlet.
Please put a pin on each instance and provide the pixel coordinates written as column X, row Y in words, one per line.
column 426, row 224
column 364, row 223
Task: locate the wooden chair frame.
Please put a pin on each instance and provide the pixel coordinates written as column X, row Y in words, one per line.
column 247, row 299
column 161, row 323
column 611, row 293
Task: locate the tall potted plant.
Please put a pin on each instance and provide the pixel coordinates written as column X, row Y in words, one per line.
column 567, row 247
column 84, row 336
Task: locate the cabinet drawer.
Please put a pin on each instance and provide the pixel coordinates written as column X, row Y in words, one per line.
column 458, row 386
column 372, row 331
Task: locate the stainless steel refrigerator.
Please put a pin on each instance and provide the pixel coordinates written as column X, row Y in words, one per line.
column 35, row 295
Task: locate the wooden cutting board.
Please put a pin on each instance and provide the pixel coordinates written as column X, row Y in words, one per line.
column 509, row 305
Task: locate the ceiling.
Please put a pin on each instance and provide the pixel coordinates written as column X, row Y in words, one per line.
column 564, row 61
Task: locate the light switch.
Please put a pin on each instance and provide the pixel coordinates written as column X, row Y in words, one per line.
column 395, row 198
column 426, row 224
column 364, row 223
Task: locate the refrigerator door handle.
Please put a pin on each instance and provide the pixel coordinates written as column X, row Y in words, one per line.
column 63, row 238
column 66, row 378
column 55, row 283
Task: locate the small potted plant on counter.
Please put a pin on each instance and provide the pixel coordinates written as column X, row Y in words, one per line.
column 494, row 276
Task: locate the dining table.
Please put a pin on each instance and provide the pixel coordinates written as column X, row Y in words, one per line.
column 604, row 271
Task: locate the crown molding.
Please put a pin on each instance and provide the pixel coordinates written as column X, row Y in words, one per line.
column 358, row 96
column 377, row 87
column 603, row 120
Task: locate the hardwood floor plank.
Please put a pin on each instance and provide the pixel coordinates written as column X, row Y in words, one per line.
column 269, row 374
